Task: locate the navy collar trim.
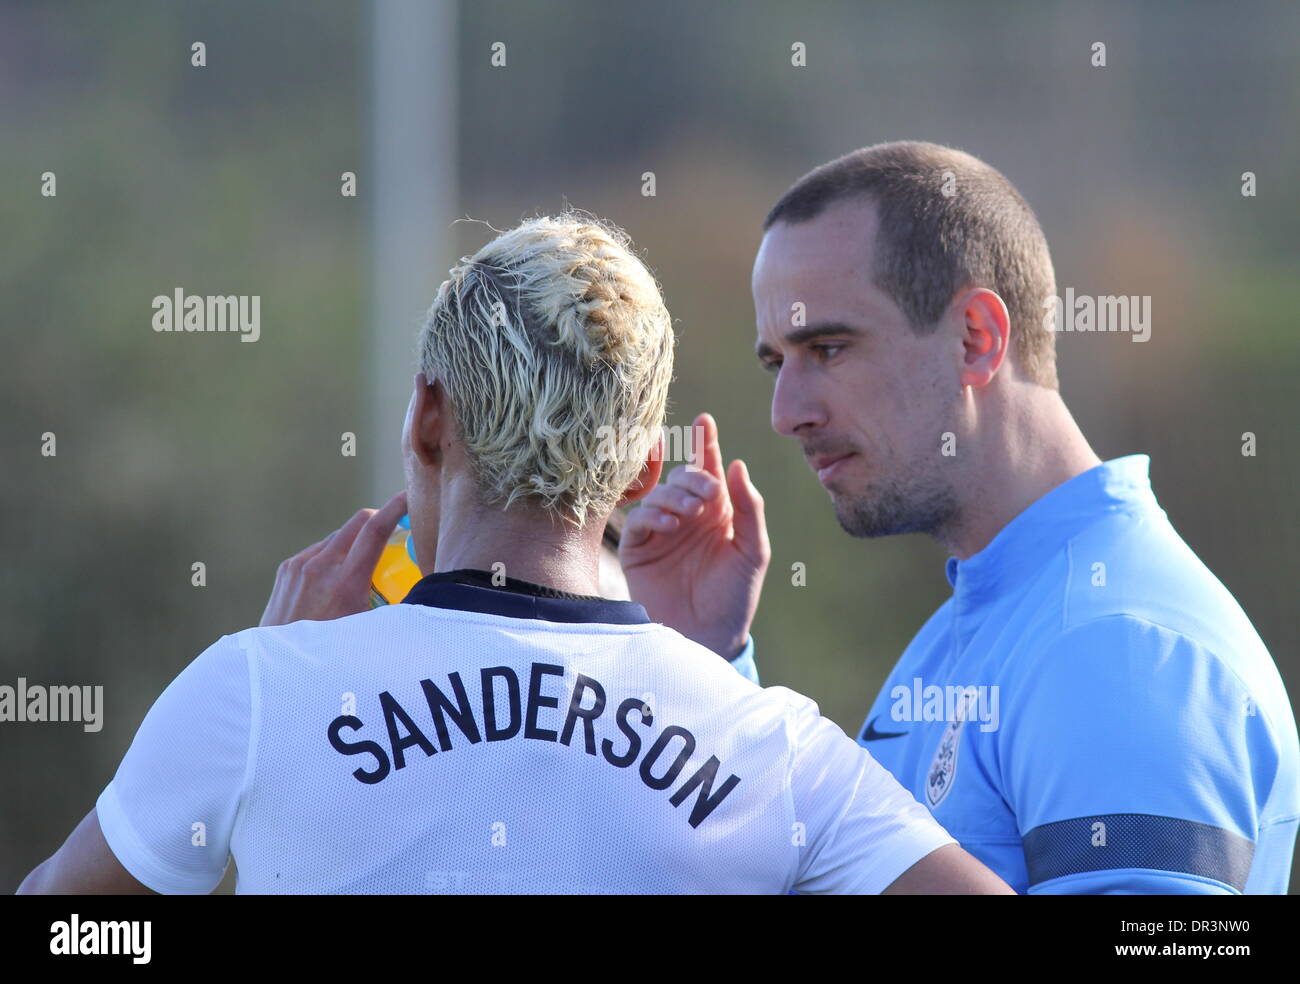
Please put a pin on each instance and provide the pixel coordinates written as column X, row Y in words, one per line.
column 473, row 591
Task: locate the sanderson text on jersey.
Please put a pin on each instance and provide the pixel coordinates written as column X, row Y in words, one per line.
column 389, row 753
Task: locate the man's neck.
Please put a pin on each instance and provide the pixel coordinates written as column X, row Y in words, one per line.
column 1038, row 448
column 521, row 542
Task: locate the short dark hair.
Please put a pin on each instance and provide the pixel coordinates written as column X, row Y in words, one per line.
column 931, row 244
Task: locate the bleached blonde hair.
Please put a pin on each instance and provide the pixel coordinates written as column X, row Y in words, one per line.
column 549, row 339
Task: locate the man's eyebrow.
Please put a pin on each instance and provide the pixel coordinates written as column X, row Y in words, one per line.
column 806, row 334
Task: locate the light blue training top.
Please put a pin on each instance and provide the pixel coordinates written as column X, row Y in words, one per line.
column 1092, row 711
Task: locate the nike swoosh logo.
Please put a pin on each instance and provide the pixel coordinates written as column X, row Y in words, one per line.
column 869, row 733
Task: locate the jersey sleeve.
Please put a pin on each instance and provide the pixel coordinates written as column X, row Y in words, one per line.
column 1135, row 762
column 169, row 811
column 856, row 829
column 744, row 663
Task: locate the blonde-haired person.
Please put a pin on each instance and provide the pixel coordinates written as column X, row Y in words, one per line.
column 504, row 729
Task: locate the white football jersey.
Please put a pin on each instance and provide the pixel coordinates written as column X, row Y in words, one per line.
column 496, row 740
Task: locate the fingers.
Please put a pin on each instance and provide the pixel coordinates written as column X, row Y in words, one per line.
column 329, row 579
column 694, row 481
column 684, row 496
column 310, row 552
column 340, row 541
column 676, row 500
column 707, row 455
column 750, row 522
column 370, row 540
column 643, row 523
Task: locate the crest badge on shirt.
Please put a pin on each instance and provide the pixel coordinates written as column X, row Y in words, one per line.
column 943, row 767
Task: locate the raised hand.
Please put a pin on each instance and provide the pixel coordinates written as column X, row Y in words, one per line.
column 331, row 578
column 696, row 550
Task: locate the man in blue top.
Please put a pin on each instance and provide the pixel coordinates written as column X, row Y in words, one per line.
column 1091, row 711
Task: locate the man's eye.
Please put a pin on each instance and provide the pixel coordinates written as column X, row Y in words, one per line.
column 827, row 351
column 771, row 366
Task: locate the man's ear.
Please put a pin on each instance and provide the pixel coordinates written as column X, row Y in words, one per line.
column 426, row 420
column 650, row 472
column 986, row 335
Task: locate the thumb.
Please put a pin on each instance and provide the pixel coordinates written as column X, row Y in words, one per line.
column 750, row 522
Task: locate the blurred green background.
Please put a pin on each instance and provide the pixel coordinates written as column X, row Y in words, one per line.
column 181, row 448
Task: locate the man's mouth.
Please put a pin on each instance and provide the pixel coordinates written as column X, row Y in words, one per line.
column 826, row 465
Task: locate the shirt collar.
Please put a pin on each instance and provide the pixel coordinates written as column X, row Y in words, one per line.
column 476, row 591
column 1024, row 544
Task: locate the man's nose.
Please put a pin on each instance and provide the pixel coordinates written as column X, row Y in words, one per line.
column 795, row 407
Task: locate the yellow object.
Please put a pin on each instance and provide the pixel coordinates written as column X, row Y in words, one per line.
column 396, row 572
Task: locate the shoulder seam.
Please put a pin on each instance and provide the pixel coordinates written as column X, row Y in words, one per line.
column 787, row 788
column 254, row 732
